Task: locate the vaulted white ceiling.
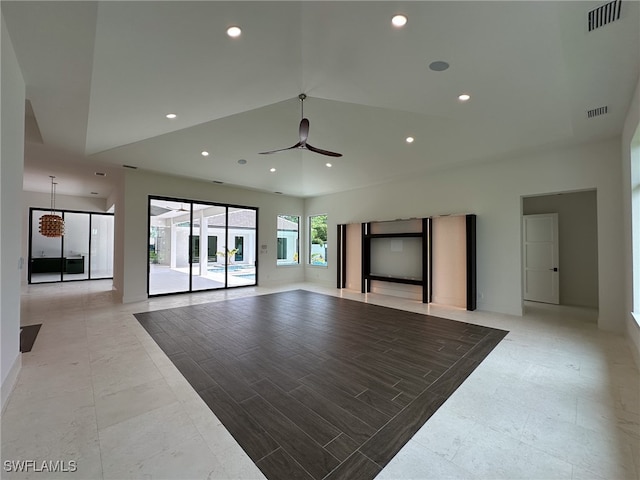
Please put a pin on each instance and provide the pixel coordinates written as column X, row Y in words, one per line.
column 101, row 76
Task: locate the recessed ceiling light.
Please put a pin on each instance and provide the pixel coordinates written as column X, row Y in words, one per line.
column 242, row 161
column 171, row 116
column 464, row 97
column 204, row 153
column 329, row 165
column 438, row 66
column 399, row 20
column 409, row 139
column 272, row 169
column 234, row 31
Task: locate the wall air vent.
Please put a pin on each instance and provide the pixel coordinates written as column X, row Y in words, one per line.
column 607, row 13
column 596, row 112
column 130, row 167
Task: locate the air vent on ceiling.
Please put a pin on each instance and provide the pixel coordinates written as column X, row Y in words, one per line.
column 607, row 13
column 596, row 112
column 130, row 166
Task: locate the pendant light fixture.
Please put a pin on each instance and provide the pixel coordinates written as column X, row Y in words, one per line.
column 52, row 225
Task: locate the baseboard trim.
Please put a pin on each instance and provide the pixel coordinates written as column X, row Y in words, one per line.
column 10, row 382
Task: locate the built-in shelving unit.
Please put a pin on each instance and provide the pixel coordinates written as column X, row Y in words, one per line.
column 402, row 252
column 397, row 252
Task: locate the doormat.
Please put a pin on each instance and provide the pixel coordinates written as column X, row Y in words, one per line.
column 28, row 336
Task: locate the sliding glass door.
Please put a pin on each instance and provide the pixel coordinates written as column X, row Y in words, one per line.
column 170, row 230
column 196, row 246
column 85, row 252
column 101, row 251
column 75, row 249
column 242, row 238
column 209, row 226
column 45, row 253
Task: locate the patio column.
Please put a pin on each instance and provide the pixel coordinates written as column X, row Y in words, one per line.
column 174, row 242
column 204, row 245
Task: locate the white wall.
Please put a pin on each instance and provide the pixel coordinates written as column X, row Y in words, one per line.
column 132, row 236
column 12, row 105
column 630, row 148
column 493, row 191
column 578, row 243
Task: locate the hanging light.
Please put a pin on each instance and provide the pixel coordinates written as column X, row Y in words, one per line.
column 52, row 225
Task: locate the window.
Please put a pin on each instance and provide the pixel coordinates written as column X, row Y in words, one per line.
column 318, row 240
column 212, row 251
column 239, row 257
column 282, row 248
column 288, row 244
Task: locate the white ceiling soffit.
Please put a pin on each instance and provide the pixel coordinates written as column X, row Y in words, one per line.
column 102, row 76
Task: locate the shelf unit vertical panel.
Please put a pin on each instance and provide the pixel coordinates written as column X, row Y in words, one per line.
column 471, row 262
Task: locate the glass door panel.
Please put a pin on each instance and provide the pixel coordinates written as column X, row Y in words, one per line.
column 242, row 238
column 75, row 259
column 209, row 270
column 101, row 256
column 45, row 258
column 169, row 233
column 199, row 246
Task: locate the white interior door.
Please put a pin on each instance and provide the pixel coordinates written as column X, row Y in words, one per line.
column 541, row 272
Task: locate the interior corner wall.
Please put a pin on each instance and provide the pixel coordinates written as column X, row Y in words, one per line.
column 132, row 235
column 578, row 243
column 12, row 106
column 493, row 191
column 630, row 176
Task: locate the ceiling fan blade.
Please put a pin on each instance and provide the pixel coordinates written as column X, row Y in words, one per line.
column 303, row 131
column 322, row 152
column 293, row 147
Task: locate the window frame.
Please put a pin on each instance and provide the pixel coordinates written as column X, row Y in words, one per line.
column 284, row 262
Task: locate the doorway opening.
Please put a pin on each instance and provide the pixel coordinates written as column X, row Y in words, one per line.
column 576, row 278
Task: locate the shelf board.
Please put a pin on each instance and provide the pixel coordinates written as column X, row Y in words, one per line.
column 408, row 281
column 395, row 235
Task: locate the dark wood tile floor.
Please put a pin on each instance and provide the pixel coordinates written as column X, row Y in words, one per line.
column 319, row 387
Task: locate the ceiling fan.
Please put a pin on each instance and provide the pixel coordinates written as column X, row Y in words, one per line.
column 303, row 132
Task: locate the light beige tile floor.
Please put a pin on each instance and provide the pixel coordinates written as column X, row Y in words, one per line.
column 556, row 399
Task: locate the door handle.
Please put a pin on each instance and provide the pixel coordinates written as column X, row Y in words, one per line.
column 555, row 269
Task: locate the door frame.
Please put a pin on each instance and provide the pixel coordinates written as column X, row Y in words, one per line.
column 227, row 228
